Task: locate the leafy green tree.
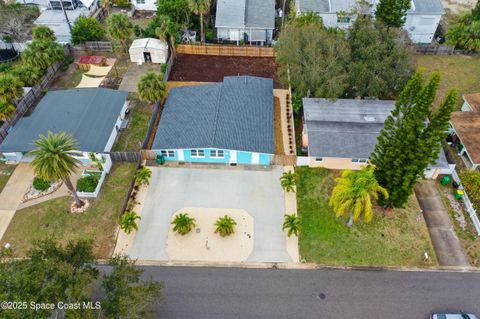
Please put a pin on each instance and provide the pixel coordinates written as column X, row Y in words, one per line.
column 307, row 18
column 120, row 28
column 7, row 110
column 128, row 222
column 225, row 226
column 87, row 29
column 317, row 60
column 353, row 194
column 183, row 224
column 292, row 224
column 11, row 88
column 42, row 54
column 165, row 29
column 143, row 176
column 392, row 12
column 411, row 138
column 51, row 273
column 200, row 7
column 465, row 32
column 53, row 159
column 126, row 296
column 43, row 33
column 380, row 65
column 177, row 10
column 288, row 180
column 151, row 87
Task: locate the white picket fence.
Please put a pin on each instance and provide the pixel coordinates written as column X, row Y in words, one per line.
column 468, row 204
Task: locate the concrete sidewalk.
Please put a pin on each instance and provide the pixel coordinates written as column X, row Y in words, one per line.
column 448, row 249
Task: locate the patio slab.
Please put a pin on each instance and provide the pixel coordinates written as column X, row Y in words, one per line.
column 134, row 73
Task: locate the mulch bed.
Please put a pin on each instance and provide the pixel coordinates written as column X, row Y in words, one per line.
column 212, row 68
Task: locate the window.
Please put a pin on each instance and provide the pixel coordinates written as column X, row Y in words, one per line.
column 168, row 153
column 197, row 153
column 343, row 19
column 217, row 153
column 319, row 159
column 140, row 1
column 360, row 161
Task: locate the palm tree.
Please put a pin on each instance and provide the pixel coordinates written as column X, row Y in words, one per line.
column 54, row 160
column 151, row 87
column 106, row 4
column 11, row 88
column 288, row 181
column 42, row 54
column 7, row 110
column 166, row 30
column 183, row 224
column 43, row 32
column 225, row 226
column 353, row 194
column 292, row 224
column 200, row 7
column 143, row 176
column 128, row 222
column 120, row 28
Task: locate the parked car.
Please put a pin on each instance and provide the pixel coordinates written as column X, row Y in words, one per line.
column 456, row 315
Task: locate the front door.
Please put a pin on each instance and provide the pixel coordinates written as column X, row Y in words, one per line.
column 147, row 56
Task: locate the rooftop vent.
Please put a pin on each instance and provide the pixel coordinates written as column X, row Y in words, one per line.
column 369, row 118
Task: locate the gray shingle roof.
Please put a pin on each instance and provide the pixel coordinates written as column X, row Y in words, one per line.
column 314, row 5
column 88, row 114
column 245, row 14
column 427, row 6
column 344, row 128
column 236, row 115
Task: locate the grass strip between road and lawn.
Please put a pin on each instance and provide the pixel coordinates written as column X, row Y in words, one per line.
column 397, row 240
column 5, row 172
column 53, row 218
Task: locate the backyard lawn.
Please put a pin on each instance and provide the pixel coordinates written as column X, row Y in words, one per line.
column 458, row 71
column 53, row 218
column 131, row 139
column 5, row 173
column 397, row 240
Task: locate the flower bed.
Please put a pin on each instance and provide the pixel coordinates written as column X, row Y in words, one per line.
column 33, row 193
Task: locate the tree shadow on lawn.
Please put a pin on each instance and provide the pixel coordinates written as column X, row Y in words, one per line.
column 397, row 240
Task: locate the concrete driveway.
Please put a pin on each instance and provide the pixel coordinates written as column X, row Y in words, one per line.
column 256, row 191
column 448, row 249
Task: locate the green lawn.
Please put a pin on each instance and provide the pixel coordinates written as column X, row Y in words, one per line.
column 5, row 173
column 53, row 218
column 397, row 240
column 131, row 139
column 458, row 71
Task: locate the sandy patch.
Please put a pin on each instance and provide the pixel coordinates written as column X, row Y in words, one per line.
column 202, row 244
column 458, row 6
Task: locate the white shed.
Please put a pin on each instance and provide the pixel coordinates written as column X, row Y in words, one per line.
column 148, row 50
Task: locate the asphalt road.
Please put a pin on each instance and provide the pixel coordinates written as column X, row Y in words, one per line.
column 226, row 293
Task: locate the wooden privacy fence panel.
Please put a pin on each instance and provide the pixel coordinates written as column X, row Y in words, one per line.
column 226, row 50
column 105, row 46
column 434, row 48
column 132, row 157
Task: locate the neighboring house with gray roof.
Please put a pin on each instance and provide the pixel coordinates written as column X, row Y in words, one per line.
column 225, row 123
column 252, row 21
column 342, row 134
column 92, row 116
column 421, row 21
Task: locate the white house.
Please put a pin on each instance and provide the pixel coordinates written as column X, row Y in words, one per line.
column 145, row 5
column 148, row 50
column 421, row 21
column 251, row 21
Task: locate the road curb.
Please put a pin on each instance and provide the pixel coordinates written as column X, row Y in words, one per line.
column 295, row 266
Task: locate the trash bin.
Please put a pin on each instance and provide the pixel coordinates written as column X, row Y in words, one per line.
column 160, row 159
column 445, row 180
column 455, row 185
column 458, row 194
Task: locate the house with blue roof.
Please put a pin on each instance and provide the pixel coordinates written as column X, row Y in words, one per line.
column 251, row 21
column 219, row 123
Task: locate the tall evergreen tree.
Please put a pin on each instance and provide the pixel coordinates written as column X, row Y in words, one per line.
column 410, row 139
column 392, row 12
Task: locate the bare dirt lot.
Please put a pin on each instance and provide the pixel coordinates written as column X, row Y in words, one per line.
column 212, row 68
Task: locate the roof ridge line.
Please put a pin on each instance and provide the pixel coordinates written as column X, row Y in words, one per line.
column 215, row 120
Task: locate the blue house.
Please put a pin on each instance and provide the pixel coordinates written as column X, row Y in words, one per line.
column 225, row 123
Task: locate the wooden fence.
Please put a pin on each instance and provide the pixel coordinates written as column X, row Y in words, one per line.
column 226, row 50
column 101, row 46
column 29, row 100
column 433, row 48
column 131, row 157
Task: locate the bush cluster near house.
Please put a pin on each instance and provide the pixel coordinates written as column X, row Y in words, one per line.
column 324, row 62
column 464, row 33
column 40, row 184
column 87, row 184
column 471, row 182
column 87, row 29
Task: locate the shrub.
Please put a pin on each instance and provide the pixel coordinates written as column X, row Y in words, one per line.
column 87, row 184
column 128, row 222
column 225, row 226
column 471, row 182
column 183, row 224
column 291, row 223
column 87, row 29
column 40, row 184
